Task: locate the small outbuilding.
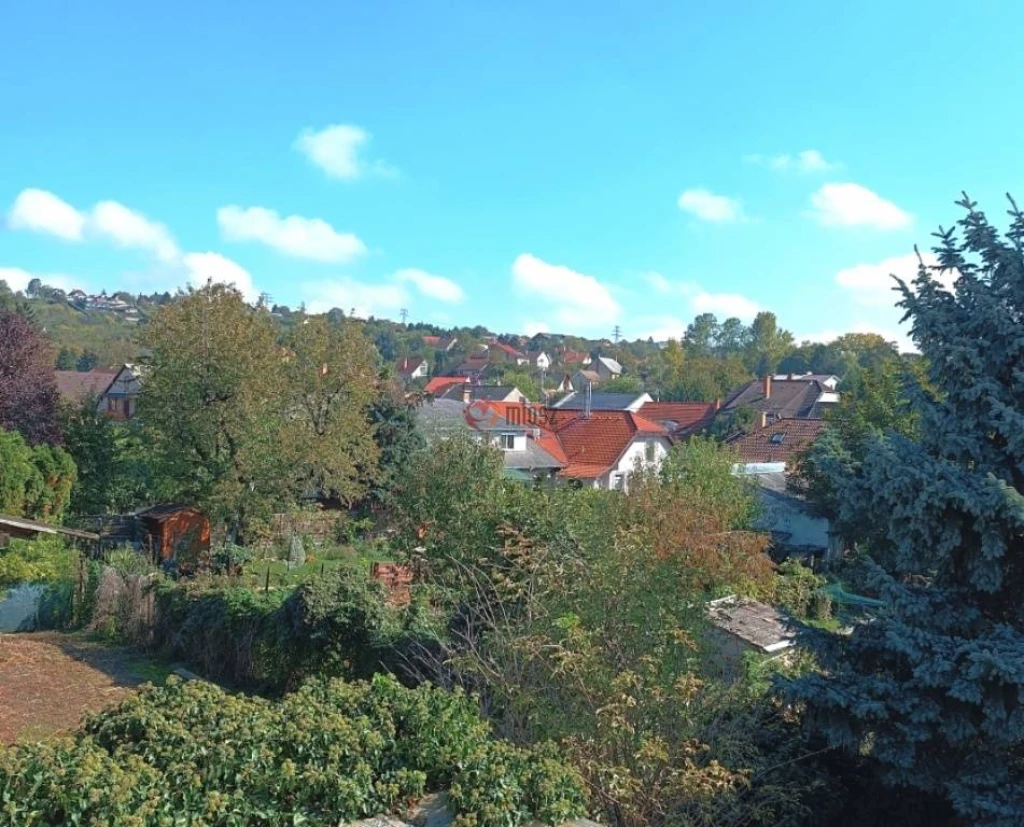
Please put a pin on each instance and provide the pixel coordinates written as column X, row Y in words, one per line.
column 175, row 532
column 740, row 625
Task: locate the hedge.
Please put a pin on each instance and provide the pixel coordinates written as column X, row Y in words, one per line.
column 192, row 754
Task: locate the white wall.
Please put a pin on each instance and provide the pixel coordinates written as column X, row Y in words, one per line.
column 636, row 452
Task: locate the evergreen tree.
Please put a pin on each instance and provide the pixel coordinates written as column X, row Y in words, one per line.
column 933, row 689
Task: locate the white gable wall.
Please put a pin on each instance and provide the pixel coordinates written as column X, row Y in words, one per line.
column 636, row 452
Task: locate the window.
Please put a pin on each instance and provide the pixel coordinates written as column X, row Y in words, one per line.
column 777, row 438
column 508, row 442
column 111, row 404
column 650, row 450
column 617, row 482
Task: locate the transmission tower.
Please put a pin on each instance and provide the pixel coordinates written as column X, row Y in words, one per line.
column 404, row 313
column 616, row 334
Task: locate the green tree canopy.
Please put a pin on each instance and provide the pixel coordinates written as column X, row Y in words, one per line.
column 212, row 403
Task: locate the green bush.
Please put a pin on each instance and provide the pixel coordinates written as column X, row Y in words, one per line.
column 335, row 624
column 189, row 753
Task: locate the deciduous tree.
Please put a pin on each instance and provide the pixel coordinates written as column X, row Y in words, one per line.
column 28, row 387
column 329, row 383
column 213, row 400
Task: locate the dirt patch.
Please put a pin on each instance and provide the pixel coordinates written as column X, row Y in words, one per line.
column 49, row 681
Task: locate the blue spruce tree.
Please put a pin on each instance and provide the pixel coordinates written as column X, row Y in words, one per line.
column 932, row 690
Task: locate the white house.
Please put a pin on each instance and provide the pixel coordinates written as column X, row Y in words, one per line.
column 542, row 361
column 604, row 448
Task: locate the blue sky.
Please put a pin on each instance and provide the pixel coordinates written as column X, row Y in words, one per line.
column 568, row 166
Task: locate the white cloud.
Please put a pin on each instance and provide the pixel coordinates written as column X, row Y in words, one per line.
column 577, row 299
column 533, row 328
column 436, row 287
column 660, row 284
column 725, row 305
column 18, row 279
column 851, row 205
column 204, row 267
column 710, row 207
column 872, row 284
column 43, row 212
column 663, row 328
column 129, row 228
column 808, row 160
column 347, row 294
column 294, row 235
column 337, row 149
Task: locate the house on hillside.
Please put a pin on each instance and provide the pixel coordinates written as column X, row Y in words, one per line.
column 439, row 384
column 584, row 378
column 806, row 397
column 607, row 368
column 474, row 368
column 681, row 419
column 603, row 449
column 597, row 401
column 412, row 367
column 441, row 343
column 74, row 386
column 768, row 456
column 510, row 353
column 571, row 358
column 121, row 396
column 487, row 393
column 540, row 360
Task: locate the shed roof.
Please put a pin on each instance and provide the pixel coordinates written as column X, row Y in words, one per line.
column 35, row 527
column 758, row 624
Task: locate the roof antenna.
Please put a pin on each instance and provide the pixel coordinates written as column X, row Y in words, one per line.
column 588, row 398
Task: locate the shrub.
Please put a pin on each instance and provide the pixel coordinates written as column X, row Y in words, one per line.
column 189, row 753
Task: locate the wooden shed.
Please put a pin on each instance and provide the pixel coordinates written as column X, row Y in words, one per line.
column 176, row 532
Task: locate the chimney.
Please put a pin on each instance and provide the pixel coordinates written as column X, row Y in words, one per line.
column 467, row 393
column 768, row 386
column 764, row 419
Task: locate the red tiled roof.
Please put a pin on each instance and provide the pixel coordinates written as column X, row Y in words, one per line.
column 791, row 437
column 508, row 350
column 572, row 357
column 75, row 385
column 439, row 383
column 431, row 340
column 594, row 444
column 682, row 415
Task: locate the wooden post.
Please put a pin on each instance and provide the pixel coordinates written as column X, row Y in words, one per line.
column 266, row 583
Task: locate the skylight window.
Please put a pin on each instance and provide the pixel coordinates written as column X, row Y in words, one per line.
column 777, row 438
